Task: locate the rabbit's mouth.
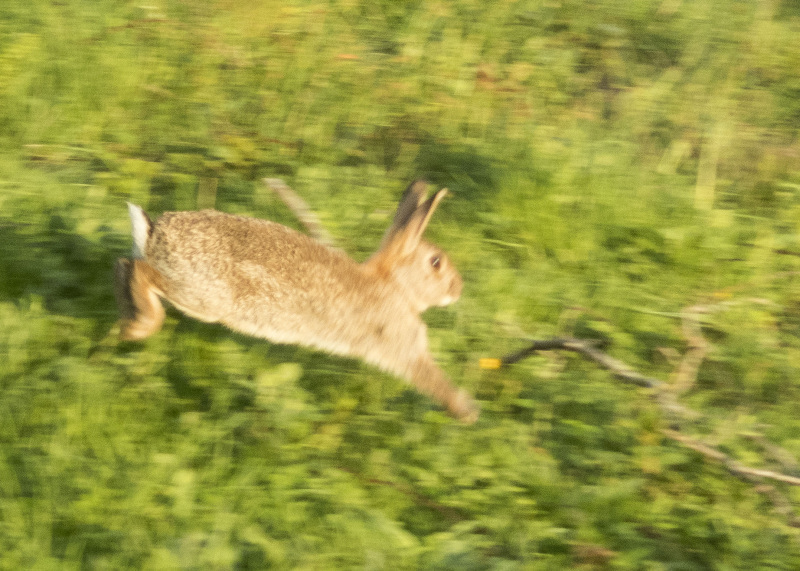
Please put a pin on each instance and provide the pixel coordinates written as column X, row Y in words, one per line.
column 448, row 299
column 454, row 291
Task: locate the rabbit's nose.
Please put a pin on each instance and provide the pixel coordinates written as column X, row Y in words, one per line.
column 453, row 292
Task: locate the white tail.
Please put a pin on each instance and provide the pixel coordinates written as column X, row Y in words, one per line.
column 141, row 229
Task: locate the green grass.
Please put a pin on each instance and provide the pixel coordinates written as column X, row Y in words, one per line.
column 610, row 164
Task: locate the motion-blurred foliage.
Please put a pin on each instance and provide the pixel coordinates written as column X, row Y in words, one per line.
column 611, row 164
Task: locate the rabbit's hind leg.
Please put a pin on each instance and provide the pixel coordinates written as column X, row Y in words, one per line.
column 137, row 287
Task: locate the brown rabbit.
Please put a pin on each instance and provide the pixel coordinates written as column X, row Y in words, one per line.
column 264, row 279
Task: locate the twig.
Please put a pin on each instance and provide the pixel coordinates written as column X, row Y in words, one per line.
column 664, row 398
column 300, row 209
column 686, row 374
column 783, row 457
column 588, row 349
column 617, row 368
column 780, row 503
column 746, row 472
column 535, row 346
column 755, row 476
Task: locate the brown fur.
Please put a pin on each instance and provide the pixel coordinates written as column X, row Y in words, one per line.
column 138, row 287
column 267, row 280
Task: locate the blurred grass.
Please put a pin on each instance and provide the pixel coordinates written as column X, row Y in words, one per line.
column 611, row 163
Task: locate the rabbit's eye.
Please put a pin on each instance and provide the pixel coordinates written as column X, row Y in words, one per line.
column 436, row 262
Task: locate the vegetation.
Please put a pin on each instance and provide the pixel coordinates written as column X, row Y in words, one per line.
column 611, row 164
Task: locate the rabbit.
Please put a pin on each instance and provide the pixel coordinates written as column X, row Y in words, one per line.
column 263, row 279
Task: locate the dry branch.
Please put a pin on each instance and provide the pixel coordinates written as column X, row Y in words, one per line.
column 300, row 209
column 745, row 472
column 753, row 475
column 783, row 457
column 664, row 398
column 686, row 374
column 617, row 368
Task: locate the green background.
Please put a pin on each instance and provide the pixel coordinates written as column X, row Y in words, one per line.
column 611, row 163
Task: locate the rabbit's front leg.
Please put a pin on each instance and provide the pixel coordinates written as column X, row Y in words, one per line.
column 431, row 380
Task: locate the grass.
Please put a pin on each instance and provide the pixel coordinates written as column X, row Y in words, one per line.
column 610, row 164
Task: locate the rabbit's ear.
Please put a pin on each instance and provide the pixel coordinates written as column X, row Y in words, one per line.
column 412, row 199
column 412, row 217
